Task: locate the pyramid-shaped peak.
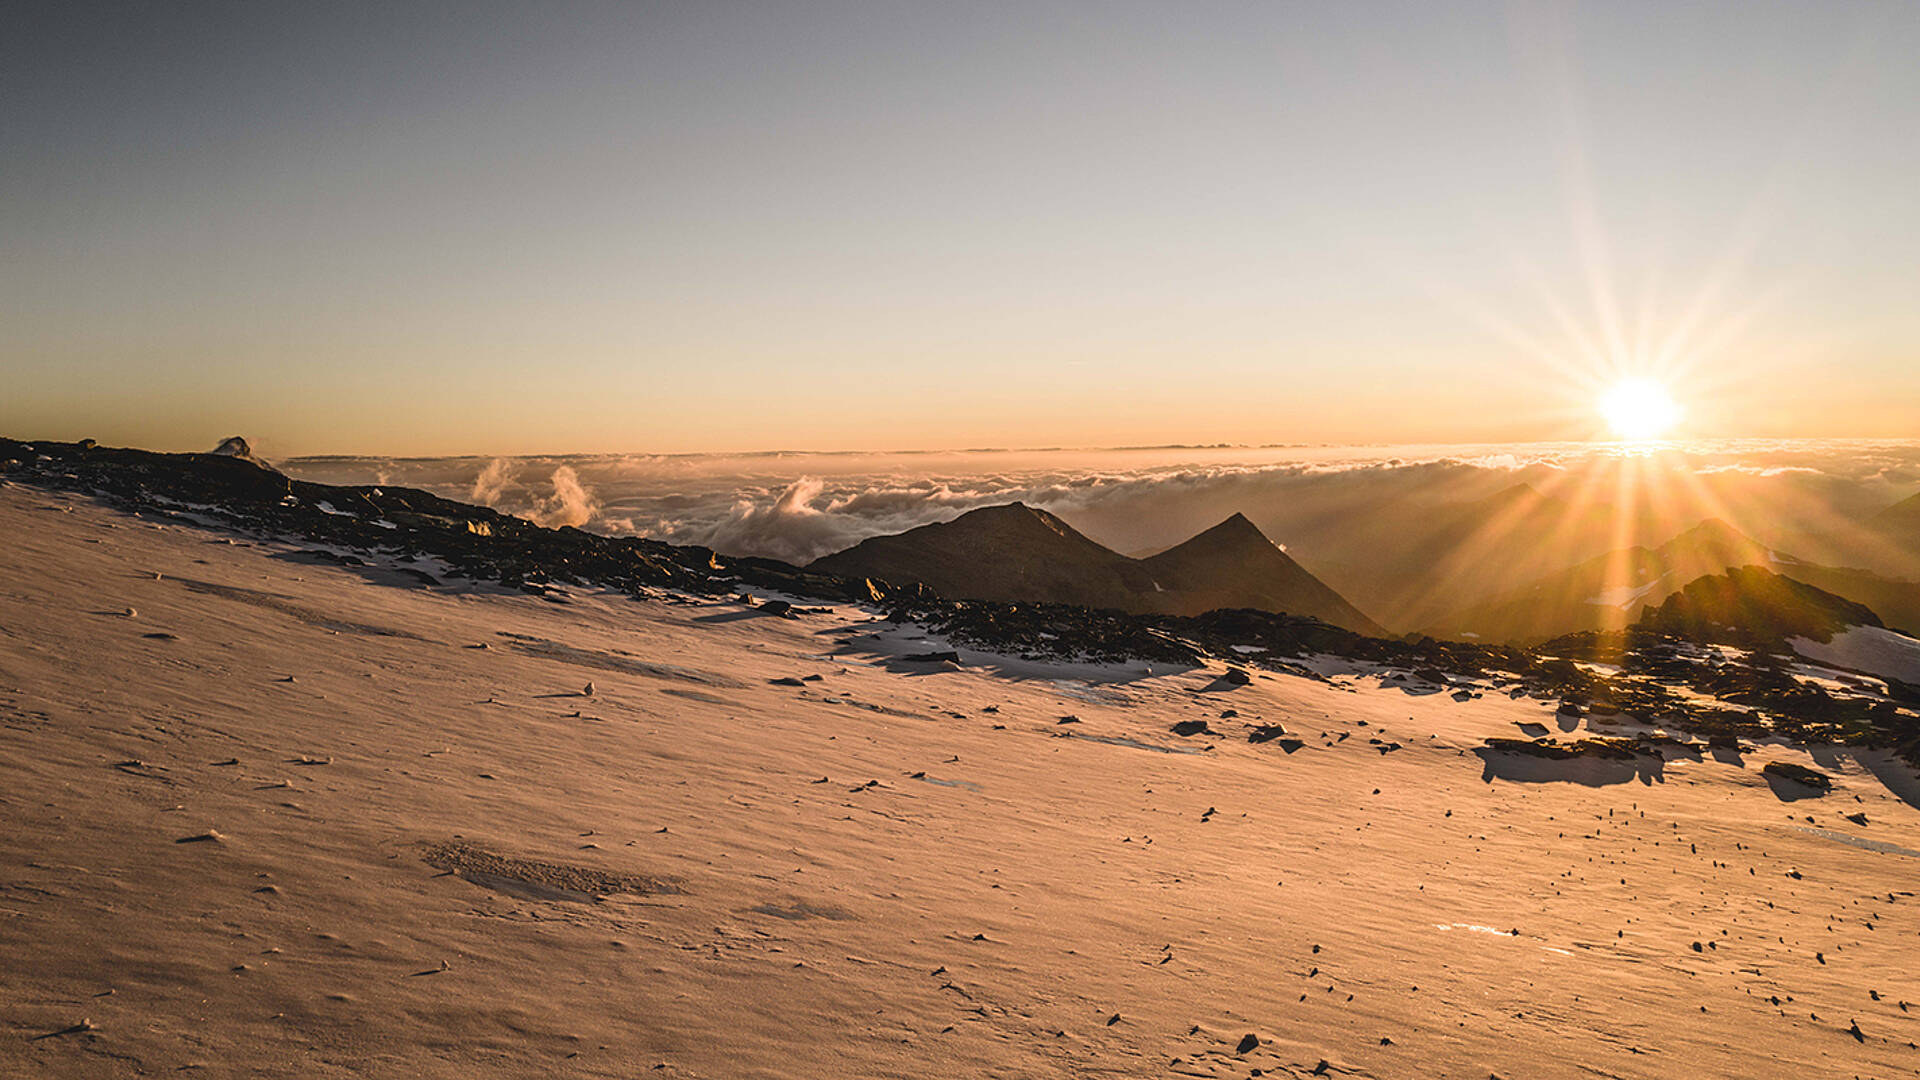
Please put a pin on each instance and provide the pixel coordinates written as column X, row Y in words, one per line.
column 1715, row 532
column 1236, row 529
column 1234, row 538
column 1715, row 527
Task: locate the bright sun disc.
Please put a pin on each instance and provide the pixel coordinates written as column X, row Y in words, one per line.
column 1638, row 409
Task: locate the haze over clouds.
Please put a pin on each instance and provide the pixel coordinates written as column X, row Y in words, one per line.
column 799, row 506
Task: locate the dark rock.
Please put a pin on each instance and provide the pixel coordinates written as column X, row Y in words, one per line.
column 1248, row 1043
column 479, row 544
column 233, row 446
column 1800, row 774
column 1614, row 749
column 1754, row 607
column 1192, row 727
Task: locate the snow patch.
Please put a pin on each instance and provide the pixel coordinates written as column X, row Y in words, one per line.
column 1626, row 594
column 1872, row 649
column 1472, row 928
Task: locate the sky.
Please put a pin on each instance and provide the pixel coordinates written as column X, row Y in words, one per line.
column 483, row 228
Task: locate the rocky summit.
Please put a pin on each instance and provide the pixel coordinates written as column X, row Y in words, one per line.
column 1018, row 552
column 1751, row 605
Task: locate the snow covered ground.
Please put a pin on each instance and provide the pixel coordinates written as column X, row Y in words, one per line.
column 1872, row 649
column 267, row 815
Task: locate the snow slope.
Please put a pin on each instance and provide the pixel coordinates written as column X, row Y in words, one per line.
column 1872, row 649
column 268, row 816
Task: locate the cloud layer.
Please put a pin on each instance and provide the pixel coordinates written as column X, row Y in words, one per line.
column 797, row 507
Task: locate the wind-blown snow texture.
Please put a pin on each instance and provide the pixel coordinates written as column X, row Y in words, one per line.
column 267, row 814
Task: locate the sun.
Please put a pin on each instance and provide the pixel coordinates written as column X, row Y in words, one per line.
column 1638, row 409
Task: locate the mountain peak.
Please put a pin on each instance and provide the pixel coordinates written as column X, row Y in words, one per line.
column 1751, row 604
column 1902, row 515
column 1234, row 564
column 1235, row 530
column 1717, row 527
column 1720, row 539
column 235, row 446
column 1013, row 511
column 1013, row 515
column 1235, row 542
column 1008, row 551
column 1016, row 552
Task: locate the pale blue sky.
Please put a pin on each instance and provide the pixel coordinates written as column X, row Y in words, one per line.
column 507, row 228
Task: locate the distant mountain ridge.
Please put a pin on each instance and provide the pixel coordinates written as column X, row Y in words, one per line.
column 1016, row 552
column 1414, row 563
column 1750, row 605
column 1902, row 517
column 1607, row 592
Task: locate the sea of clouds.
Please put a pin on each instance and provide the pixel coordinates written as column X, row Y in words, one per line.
column 801, row 505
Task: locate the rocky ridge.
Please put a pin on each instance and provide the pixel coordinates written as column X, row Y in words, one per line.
column 1661, row 679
